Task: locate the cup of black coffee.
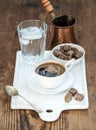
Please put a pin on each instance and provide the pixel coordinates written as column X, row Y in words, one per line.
column 51, row 74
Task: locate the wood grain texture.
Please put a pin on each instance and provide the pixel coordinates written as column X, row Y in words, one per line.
column 11, row 13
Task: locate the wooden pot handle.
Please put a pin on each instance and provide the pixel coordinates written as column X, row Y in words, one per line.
column 49, row 8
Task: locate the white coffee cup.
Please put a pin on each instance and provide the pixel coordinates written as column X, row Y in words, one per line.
column 53, row 82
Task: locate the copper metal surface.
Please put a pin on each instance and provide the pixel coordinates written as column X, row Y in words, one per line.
column 63, row 30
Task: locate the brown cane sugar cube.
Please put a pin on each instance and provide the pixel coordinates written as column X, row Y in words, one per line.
column 68, row 57
column 79, row 96
column 78, row 54
column 74, row 49
column 67, row 47
column 70, row 53
column 62, row 51
column 61, row 48
column 68, row 97
column 57, row 52
column 73, row 91
column 62, row 56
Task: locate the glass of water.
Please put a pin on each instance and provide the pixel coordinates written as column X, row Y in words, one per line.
column 32, row 38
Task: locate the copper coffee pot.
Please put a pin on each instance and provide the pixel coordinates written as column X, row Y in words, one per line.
column 63, row 26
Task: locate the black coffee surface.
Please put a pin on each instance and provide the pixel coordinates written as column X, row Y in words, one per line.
column 50, row 69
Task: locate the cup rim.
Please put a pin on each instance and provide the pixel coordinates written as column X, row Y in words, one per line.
column 37, row 20
column 64, row 26
column 51, row 62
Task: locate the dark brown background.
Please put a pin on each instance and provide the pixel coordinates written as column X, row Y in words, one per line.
column 14, row 11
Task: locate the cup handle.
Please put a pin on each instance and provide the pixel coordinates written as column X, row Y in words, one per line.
column 69, row 64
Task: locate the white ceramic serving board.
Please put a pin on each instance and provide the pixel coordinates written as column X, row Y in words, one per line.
column 44, row 98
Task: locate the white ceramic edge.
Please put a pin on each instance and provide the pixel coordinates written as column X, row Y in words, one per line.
column 50, row 118
column 73, row 45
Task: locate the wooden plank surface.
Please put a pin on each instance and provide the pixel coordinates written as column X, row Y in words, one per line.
column 14, row 11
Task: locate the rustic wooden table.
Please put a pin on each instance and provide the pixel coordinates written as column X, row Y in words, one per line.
column 11, row 13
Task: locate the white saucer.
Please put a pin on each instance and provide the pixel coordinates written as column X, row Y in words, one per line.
column 36, row 87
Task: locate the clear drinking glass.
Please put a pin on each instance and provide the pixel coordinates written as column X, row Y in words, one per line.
column 32, row 37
